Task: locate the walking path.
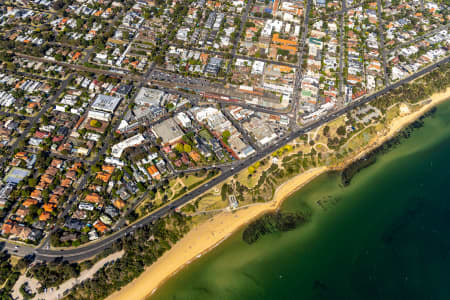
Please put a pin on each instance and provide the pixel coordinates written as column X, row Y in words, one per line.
column 57, row 293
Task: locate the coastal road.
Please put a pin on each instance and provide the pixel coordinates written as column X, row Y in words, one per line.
column 92, row 249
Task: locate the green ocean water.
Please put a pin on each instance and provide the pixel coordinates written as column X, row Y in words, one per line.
column 385, row 236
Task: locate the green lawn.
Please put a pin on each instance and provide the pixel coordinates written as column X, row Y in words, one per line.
column 192, row 179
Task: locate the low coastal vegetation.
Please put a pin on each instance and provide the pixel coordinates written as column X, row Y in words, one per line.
column 271, row 223
column 10, row 272
column 370, row 158
column 142, row 248
column 170, row 190
column 285, row 221
column 295, row 163
column 433, row 82
column 54, row 273
column 327, row 146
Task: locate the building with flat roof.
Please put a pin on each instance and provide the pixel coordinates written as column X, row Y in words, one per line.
column 149, row 97
column 117, row 149
column 106, row 103
column 99, row 115
column 183, row 119
column 168, row 131
column 258, row 67
column 213, row 66
column 241, row 149
column 124, row 89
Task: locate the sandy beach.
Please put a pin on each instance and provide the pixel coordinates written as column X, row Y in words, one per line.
column 208, row 235
column 205, row 237
column 401, row 122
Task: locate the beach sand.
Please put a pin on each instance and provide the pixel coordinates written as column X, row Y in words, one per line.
column 205, row 237
column 209, row 234
column 401, row 122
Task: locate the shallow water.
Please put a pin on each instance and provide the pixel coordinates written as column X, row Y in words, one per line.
column 385, row 236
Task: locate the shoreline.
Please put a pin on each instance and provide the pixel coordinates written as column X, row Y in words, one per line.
column 208, row 235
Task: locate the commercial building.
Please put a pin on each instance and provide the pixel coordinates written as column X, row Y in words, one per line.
column 241, row 149
column 99, row 115
column 213, row 66
column 133, row 141
column 106, row 103
column 183, row 120
column 149, row 97
column 168, row 131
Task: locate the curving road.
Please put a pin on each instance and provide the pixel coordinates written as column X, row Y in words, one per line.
column 91, row 249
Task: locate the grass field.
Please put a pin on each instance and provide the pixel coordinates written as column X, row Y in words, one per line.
column 191, row 179
column 211, row 201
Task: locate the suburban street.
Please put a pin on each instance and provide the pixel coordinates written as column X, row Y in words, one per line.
column 202, row 90
column 299, row 73
column 91, row 249
column 381, row 39
column 341, row 48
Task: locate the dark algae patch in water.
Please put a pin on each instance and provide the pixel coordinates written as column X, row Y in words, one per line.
column 370, row 158
column 286, row 221
column 386, row 236
column 271, row 223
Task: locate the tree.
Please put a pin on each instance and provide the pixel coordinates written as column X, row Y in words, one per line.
column 224, row 191
column 288, row 148
column 59, row 57
column 57, row 5
column 225, row 136
column 95, row 123
column 141, row 186
column 10, row 66
column 153, row 149
column 32, row 182
column 341, row 130
column 326, row 130
column 187, row 139
column 187, row 148
column 179, row 147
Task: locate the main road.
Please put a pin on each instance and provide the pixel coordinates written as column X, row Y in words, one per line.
column 91, row 249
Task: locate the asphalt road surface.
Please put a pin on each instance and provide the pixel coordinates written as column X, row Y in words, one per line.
column 92, row 249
